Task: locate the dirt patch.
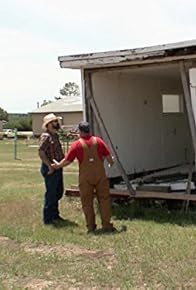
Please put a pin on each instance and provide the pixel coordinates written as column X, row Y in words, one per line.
column 41, row 284
column 38, row 284
column 4, row 239
column 6, row 242
column 70, row 251
column 67, row 251
column 60, row 250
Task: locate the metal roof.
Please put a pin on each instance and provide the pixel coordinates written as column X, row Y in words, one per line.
column 64, row 105
column 179, row 50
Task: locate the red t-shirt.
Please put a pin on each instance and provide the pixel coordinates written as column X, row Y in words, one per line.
column 76, row 150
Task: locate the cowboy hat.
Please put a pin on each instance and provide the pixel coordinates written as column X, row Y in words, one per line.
column 49, row 118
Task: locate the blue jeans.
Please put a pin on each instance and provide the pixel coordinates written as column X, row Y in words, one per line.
column 54, row 192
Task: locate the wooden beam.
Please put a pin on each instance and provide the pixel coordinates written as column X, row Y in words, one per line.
column 187, row 97
column 158, row 188
column 188, row 188
column 156, row 65
column 119, row 62
column 141, row 194
column 101, row 123
column 191, row 118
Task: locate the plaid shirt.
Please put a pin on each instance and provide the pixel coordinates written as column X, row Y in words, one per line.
column 50, row 144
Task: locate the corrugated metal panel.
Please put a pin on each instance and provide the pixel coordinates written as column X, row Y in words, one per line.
column 66, row 104
column 93, row 60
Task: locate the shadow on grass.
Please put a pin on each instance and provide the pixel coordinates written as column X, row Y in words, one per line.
column 158, row 212
column 98, row 232
column 64, row 223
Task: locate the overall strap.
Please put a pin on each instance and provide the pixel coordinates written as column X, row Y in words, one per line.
column 90, row 153
column 84, row 145
column 82, row 142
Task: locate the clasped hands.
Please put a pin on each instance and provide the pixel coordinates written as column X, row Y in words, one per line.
column 53, row 167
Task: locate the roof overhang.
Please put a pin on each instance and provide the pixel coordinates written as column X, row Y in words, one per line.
column 160, row 53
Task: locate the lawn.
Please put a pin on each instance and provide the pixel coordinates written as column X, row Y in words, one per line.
column 157, row 251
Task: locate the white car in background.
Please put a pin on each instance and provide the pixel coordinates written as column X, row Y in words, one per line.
column 9, row 133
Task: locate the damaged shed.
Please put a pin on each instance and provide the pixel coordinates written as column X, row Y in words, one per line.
column 143, row 103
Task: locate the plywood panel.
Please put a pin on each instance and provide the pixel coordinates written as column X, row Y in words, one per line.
column 131, row 106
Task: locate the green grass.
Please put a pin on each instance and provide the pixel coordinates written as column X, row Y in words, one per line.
column 158, row 250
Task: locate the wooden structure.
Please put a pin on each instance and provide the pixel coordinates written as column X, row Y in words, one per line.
column 128, row 91
column 140, row 195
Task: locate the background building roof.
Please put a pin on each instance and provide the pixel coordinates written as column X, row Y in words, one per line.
column 66, row 104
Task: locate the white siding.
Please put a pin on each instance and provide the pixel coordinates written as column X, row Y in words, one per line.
column 131, row 106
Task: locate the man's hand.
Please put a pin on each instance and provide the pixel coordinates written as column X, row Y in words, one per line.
column 55, row 165
column 110, row 160
column 50, row 171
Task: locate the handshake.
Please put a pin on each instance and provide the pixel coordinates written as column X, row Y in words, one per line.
column 55, row 165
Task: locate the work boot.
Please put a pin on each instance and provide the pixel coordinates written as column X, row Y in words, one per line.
column 91, row 230
column 109, row 230
column 59, row 219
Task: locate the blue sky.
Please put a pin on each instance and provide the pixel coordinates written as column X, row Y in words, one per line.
column 33, row 33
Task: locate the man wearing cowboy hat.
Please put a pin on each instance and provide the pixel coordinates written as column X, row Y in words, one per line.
column 50, row 148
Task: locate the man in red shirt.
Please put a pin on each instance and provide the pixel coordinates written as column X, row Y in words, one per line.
column 90, row 152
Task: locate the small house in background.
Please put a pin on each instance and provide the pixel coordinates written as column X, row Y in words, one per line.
column 69, row 108
column 143, row 103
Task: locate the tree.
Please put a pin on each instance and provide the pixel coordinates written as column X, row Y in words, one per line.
column 3, row 114
column 70, row 89
column 57, row 98
column 22, row 122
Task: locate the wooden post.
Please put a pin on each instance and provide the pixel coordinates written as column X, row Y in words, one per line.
column 15, row 144
column 191, row 118
column 185, row 204
column 188, row 188
column 90, row 115
column 95, row 109
column 84, row 103
column 187, row 97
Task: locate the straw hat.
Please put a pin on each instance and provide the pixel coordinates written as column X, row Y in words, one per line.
column 49, row 118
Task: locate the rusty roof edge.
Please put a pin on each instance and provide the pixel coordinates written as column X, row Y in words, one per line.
column 136, row 51
column 128, row 61
column 108, row 61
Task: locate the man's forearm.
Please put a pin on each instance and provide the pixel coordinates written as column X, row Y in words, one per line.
column 60, row 164
column 64, row 162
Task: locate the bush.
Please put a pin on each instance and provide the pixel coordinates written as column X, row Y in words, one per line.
column 22, row 122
